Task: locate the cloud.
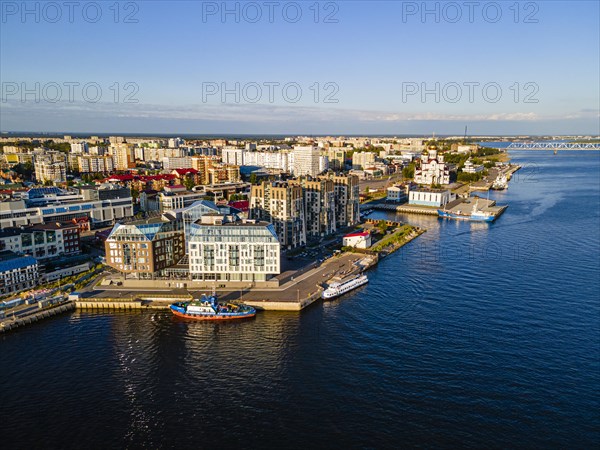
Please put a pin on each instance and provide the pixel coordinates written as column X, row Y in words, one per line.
column 261, row 113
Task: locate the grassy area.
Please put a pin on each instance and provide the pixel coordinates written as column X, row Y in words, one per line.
column 397, row 238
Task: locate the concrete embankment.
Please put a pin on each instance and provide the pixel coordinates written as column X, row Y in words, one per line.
column 19, row 321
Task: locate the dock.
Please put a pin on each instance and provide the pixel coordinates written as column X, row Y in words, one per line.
column 467, row 204
column 12, row 323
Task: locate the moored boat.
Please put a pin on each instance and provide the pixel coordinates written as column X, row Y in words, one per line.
column 337, row 289
column 475, row 215
column 500, row 183
column 207, row 308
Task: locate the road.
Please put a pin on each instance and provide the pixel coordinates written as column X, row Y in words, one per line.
column 381, row 183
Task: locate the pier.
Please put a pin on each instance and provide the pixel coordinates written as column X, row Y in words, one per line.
column 16, row 321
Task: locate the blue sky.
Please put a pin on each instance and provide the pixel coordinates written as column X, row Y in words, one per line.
column 533, row 69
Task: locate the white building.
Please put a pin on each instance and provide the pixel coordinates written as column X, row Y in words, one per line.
column 50, row 166
column 396, row 194
column 17, row 273
column 430, row 197
column 469, row 167
column 79, row 147
column 42, row 241
column 222, row 248
column 100, row 206
column 362, row 160
column 175, row 142
column 93, row 164
column 432, row 169
column 306, row 161
column 467, row 148
column 171, row 163
column 361, row 239
column 232, row 155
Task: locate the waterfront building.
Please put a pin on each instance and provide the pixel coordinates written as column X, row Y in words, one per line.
column 360, row 239
column 17, row 273
column 430, row 197
column 397, row 194
column 306, row 161
column 432, row 169
column 198, row 209
column 469, row 167
column 144, row 248
column 346, row 199
column 282, row 204
column 42, row 241
column 319, row 201
column 222, row 248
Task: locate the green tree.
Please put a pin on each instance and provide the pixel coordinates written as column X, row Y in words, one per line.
column 409, row 171
column 135, row 194
column 189, row 183
column 253, row 178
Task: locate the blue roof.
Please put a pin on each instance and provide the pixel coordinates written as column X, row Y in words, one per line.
column 10, row 261
column 41, row 192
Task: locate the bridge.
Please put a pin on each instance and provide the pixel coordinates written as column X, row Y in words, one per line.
column 549, row 145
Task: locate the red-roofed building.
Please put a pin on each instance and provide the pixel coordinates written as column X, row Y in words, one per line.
column 242, row 205
column 361, row 239
column 183, row 174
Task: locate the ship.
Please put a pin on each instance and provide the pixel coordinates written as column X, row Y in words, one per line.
column 338, row 288
column 207, row 308
column 500, row 182
column 475, row 215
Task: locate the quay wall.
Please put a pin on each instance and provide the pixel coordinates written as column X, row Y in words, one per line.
column 12, row 324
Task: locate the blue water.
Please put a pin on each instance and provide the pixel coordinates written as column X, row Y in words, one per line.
column 473, row 335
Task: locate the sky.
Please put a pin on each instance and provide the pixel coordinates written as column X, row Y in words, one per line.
column 305, row 67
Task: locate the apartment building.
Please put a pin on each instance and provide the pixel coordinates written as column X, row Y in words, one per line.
column 223, row 173
column 124, row 156
column 143, row 249
column 17, row 273
column 95, row 164
column 173, row 162
column 363, row 160
column 222, row 248
column 50, row 166
column 282, row 204
column 347, row 201
column 306, row 161
column 42, row 241
column 319, row 201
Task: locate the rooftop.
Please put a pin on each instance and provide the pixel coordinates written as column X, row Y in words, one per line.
column 10, row 261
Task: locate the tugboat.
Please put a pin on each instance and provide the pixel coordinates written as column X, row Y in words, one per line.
column 337, row 289
column 207, row 308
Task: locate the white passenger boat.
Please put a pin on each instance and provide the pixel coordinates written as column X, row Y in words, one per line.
column 337, row 289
